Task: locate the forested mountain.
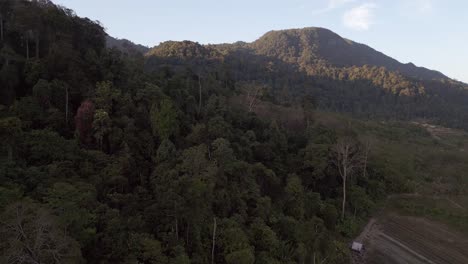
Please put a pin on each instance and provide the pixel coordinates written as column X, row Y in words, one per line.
column 341, row 76
column 310, row 46
column 199, row 154
column 125, row 45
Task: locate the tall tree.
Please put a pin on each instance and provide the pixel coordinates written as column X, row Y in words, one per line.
column 84, row 120
column 102, row 125
column 10, row 130
column 347, row 158
column 5, row 12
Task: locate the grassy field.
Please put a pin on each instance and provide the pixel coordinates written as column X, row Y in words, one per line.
column 427, row 222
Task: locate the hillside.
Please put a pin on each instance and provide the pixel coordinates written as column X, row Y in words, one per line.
column 125, row 45
column 341, row 75
column 198, row 154
column 309, row 46
column 306, row 47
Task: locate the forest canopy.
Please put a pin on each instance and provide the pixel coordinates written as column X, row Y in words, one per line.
column 196, row 154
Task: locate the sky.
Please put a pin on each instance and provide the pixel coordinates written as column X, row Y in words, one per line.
column 429, row 33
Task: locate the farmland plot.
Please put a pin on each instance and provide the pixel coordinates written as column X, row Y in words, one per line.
column 396, row 239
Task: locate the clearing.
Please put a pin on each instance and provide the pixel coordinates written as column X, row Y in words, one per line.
column 392, row 238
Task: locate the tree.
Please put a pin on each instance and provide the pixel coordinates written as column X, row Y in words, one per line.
column 367, row 142
column 5, row 13
column 61, row 97
column 8, row 54
column 164, row 120
column 74, row 205
column 106, row 96
column 347, row 158
column 237, row 249
column 214, row 241
column 42, row 91
column 9, row 77
column 84, row 120
column 31, row 234
column 102, row 126
column 294, row 197
column 145, row 249
column 166, row 151
column 254, row 94
column 10, row 131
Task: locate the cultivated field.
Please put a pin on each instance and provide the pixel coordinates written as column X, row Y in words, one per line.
column 395, row 239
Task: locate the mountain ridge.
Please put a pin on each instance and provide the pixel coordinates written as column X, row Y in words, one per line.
column 311, row 46
column 342, row 52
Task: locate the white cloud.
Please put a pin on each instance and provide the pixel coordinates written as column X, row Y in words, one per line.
column 425, row 6
column 360, row 17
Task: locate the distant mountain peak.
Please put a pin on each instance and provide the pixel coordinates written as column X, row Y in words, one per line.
column 314, row 44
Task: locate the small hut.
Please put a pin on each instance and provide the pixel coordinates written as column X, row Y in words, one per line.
column 356, row 246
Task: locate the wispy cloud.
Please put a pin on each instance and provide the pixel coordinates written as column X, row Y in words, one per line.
column 360, row 17
column 332, row 5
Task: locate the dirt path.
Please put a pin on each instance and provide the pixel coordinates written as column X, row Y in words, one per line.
column 455, row 203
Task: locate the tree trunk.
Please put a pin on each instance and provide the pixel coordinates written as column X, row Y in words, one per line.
column 177, row 228
column 176, row 221
column 366, row 158
column 214, row 241
column 10, row 153
column 37, row 45
column 252, row 100
column 27, row 49
column 200, row 95
column 66, row 105
column 187, row 235
column 343, row 205
column 1, row 28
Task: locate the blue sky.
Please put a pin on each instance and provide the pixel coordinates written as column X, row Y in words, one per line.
column 429, row 33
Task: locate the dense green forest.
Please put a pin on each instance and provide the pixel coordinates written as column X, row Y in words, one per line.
column 294, row 64
column 188, row 154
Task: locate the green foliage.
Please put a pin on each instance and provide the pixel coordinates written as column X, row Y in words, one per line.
column 102, row 125
column 294, row 192
column 164, row 120
column 10, row 130
column 74, row 205
column 166, row 143
column 106, row 96
column 145, row 249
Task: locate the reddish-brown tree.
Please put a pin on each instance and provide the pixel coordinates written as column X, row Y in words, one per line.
column 84, row 120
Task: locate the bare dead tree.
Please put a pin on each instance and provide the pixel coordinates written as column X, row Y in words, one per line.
column 66, row 104
column 347, row 158
column 32, row 235
column 1, row 27
column 214, row 241
column 199, row 94
column 37, row 39
column 252, row 95
column 367, row 142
